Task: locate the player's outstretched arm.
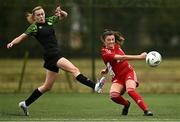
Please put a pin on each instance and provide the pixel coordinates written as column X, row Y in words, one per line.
column 141, row 56
column 17, row 40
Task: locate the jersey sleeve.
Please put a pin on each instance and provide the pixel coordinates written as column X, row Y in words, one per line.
column 31, row 30
column 52, row 20
column 107, row 55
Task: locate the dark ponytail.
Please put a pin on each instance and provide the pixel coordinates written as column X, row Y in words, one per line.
column 119, row 38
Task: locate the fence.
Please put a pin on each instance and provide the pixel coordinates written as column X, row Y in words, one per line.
column 146, row 25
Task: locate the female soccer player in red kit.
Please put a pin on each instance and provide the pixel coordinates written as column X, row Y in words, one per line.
column 123, row 75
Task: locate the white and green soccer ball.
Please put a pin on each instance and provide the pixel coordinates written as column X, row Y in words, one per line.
column 153, row 58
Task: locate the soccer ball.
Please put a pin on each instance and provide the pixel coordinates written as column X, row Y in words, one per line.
column 153, row 58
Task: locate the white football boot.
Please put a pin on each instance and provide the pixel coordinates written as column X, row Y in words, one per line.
column 100, row 84
column 23, row 106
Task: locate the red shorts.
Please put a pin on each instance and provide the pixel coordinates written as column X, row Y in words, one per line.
column 131, row 75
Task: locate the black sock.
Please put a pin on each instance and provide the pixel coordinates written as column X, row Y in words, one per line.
column 84, row 80
column 34, row 96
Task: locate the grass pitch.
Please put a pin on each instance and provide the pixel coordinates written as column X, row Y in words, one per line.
column 88, row 107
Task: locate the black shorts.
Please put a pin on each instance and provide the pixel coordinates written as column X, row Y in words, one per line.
column 50, row 61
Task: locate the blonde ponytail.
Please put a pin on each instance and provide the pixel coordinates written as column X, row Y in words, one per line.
column 29, row 16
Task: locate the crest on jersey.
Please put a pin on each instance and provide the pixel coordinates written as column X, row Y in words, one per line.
column 108, row 51
column 40, row 27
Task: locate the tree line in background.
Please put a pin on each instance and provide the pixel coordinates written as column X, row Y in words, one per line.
column 146, row 24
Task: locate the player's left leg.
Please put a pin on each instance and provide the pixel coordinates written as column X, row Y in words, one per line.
column 47, row 85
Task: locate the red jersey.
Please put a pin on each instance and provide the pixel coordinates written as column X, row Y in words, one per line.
column 119, row 67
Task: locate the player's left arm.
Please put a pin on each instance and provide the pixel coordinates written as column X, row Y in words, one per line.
column 141, row 56
column 104, row 71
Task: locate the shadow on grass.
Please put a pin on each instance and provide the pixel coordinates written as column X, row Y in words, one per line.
column 8, row 114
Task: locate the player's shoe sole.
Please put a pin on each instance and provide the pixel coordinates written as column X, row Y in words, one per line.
column 23, row 106
column 148, row 113
column 99, row 85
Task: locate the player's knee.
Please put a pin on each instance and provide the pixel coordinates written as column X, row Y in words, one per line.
column 130, row 90
column 46, row 88
column 114, row 95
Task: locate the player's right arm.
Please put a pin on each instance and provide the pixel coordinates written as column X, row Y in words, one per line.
column 17, row 40
column 30, row 31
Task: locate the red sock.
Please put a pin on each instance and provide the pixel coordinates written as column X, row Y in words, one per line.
column 137, row 98
column 117, row 98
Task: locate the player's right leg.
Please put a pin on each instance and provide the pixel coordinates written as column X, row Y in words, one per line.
column 148, row 113
column 115, row 96
column 50, row 77
column 65, row 64
column 100, row 83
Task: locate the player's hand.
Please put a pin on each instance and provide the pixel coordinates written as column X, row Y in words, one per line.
column 104, row 72
column 63, row 13
column 10, row 45
column 143, row 55
column 58, row 11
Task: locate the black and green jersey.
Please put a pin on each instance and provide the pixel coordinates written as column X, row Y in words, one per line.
column 45, row 33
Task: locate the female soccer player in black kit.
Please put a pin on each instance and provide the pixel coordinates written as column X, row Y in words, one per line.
column 42, row 29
